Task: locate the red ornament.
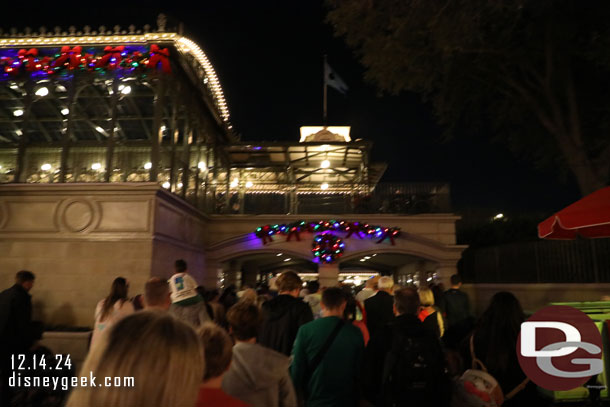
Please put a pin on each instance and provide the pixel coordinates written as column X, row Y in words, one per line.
column 112, row 58
column 159, row 56
column 72, row 56
column 29, row 56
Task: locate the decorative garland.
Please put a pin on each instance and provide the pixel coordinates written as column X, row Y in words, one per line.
column 327, row 247
column 359, row 229
column 113, row 58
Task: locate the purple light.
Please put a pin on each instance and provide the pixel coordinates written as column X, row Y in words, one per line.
column 257, row 148
column 112, row 59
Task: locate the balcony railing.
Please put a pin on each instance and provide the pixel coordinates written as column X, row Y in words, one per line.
column 406, row 199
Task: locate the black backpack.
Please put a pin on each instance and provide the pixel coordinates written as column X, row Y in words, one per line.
column 415, row 372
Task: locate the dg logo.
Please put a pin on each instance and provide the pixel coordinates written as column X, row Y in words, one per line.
column 560, row 348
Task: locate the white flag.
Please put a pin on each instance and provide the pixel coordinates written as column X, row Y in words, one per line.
column 332, row 79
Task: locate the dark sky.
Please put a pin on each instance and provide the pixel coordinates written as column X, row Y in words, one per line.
column 268, row 56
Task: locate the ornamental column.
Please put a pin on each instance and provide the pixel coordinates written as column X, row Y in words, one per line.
column 328, row 274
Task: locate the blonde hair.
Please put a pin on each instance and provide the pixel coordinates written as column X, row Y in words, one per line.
column 426, row 297
column 161, row 353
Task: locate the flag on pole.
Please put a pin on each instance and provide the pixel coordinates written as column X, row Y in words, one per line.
column 332, row 79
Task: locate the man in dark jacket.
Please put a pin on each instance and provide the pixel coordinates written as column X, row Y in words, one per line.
column 457, row 309
column 404, row 362
column 283, row 315
column 16, row 336
column 379, row 307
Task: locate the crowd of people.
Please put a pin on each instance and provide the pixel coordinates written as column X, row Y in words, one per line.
column 292, row 344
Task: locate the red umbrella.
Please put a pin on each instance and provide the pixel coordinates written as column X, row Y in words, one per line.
column 588, row 217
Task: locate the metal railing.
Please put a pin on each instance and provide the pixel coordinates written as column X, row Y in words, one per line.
column 545, row 261
column 407, row 199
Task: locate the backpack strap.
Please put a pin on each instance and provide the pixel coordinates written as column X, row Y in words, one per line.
column 476, row 361
column 315, row 362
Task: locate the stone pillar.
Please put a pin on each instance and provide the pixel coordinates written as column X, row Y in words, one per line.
column 211, row 277
column 250, row 273
column 328, row 274
column 233, row 274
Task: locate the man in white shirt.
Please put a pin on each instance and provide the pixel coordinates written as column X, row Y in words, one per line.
column 369, row 290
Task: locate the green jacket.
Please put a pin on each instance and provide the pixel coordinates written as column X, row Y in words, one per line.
column 335, row 381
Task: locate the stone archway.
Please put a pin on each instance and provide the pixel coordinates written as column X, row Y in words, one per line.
column 446, row 256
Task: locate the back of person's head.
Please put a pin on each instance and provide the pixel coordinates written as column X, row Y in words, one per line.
column 24, row 276
column 426, row 297
column 350, row 303
column 156, row 293
column 499, row 326
column 456, row 280
column 248, row 295
column 406, row 301
column 211, row 295
column 313, row 286
column 333, row 298
column 161, row 353
column 118, row 292
column 180, row 266
column 244, row 319
column 385, row 283
column 217, row 348
column 371, row 282
column 288, row 281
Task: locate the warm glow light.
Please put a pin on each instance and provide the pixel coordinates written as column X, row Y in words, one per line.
column 42, row 91
column 202, row 166
column 162, row 128
column 279, row 254
column 499, row 216
column 288, row 259
column 45, row 167
column 148, row 166
column 234, row 183
column 99, row 129
column 249, row 184
column 325, row 164
column 65, row 111
column 324, row 186
column 18, row 113
column 180, row 185
column 126, row 90
column 96, row 166
column 166, row 185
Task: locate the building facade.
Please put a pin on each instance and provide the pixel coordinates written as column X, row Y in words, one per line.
column 118, row 156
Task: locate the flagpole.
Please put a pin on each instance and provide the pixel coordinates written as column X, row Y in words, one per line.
column 325, row 92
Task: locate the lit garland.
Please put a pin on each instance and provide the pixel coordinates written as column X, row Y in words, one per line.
column 359, row 229
column 327, row 247
column 70, row 59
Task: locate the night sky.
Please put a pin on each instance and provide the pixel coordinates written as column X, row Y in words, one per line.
column 269, row 56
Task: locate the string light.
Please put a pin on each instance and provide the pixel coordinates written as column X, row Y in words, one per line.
column 65, row 111
column 42, row 91
column 45, row 167
column 96, row 166
column 325, row 164
column 324, row 186
column 18, row 113
column 249, row 184
column 148, row 166
column 202, row 166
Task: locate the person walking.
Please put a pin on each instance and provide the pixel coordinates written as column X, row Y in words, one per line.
column 187, row 304
column 404, row 362
column 327, row 356
column 112, row 308
column 457, row 309
column 379, row 307
column 16, row 333
column 283, row 315
column 258, row 376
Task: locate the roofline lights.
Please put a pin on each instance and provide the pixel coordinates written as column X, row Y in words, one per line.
column 183, row 44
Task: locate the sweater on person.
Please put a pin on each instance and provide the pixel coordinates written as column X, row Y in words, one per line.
column 259, row 376
column 335, row 381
